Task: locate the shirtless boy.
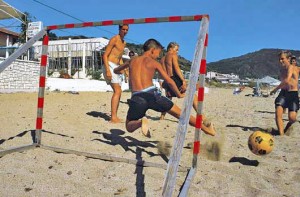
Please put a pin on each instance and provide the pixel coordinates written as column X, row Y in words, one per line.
column 145, row 95
column 171, row 66
column 112, row 58
column 170, row 63
column 288, row 96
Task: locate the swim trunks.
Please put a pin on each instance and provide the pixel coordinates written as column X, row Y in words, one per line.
column 169, row 91
column 288, row 100
column 116, row 78
column 149, row 98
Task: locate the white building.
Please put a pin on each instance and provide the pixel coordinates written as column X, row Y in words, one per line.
column 7, row 39
column 223, row 78
column 211, row 75
column 75, row 55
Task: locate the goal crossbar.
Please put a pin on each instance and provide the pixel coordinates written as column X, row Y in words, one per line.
column 128, row 21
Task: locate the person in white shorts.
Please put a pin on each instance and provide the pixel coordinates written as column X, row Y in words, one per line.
column 112, row 58
column 115, row 78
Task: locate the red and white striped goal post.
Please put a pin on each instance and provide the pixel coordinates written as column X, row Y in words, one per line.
column 129, row 21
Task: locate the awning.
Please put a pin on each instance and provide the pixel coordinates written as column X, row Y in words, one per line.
column 8, row 12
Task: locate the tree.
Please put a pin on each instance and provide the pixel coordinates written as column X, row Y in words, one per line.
column 27, row 19
column 52, row 36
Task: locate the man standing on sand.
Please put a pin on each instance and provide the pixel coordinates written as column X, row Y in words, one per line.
column 112, row 58
column 288, row 96
column 145, row 95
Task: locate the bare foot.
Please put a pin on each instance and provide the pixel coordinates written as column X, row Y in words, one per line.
column 209, row 129
column 145, row 128
column 162, row 117
column 115, row 120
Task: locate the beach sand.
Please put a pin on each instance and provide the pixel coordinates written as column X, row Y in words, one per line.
column 80, row 122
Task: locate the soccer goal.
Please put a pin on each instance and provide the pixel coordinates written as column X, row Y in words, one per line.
column 197, row 76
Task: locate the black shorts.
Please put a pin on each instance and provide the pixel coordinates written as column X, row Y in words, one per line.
column 288, row 100
column 169, row 91
column 150, row 98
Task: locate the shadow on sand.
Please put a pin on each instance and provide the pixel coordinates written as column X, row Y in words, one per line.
column 32, row 133
column 128, row 143
column 99, row 114
column 18, row 135
column 270, row 130
column 244, row 161
column 245, row 128
column 115, row 137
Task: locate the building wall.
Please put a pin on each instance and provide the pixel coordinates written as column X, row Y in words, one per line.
column 3, row 40
column 20, row 76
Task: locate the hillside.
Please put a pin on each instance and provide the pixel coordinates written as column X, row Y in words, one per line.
column 253, row 65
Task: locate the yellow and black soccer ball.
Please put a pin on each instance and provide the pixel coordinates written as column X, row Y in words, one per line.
column 261, row 143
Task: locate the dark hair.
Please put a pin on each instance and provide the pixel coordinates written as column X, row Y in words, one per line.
column 293, row 58
column 131, row 52
column 121, row 25
column 152, row 43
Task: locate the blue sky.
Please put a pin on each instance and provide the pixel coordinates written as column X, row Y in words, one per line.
column 236, row 27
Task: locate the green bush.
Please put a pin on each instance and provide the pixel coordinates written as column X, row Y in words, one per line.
column 50, row 72
column 97, row 74
column 73, row 71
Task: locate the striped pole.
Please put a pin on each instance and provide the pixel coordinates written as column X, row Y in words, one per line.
column 42, row 84
column 199, row 117
column 128, row 21
column 170, row 178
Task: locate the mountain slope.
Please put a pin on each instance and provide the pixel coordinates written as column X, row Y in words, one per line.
column 253, row 65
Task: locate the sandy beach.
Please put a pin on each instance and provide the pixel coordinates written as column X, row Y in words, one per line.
column 80, row 122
